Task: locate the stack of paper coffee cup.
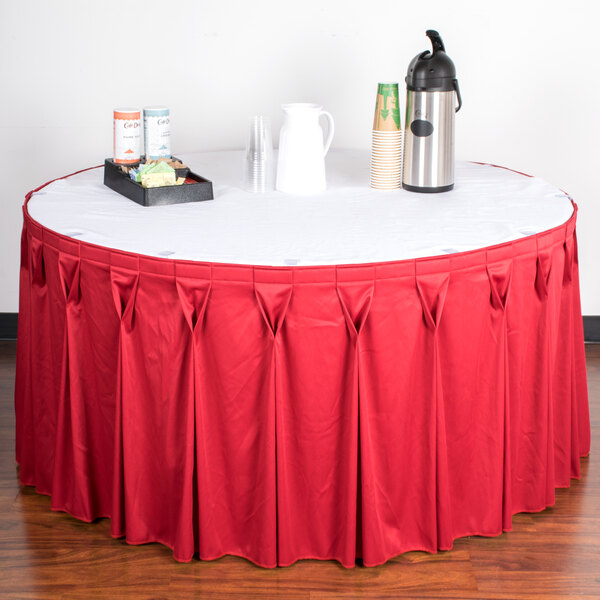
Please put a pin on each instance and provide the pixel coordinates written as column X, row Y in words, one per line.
column 386, row 145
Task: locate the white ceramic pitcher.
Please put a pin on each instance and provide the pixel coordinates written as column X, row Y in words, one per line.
column 301, row 163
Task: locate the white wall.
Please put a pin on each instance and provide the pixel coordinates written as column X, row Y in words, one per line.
column 528, row 72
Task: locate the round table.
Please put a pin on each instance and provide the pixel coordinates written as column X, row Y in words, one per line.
column 349, row 375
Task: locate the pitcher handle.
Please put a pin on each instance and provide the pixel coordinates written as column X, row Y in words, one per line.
column 330, row 131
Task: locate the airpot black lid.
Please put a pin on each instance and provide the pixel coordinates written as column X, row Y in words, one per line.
column 432, row 70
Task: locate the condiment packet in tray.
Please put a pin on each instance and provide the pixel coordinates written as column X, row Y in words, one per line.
column 156, row 173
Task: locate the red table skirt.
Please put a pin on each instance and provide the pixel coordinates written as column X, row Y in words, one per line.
column 304, row 412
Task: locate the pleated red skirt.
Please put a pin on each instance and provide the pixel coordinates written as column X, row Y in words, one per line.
column 336, row 412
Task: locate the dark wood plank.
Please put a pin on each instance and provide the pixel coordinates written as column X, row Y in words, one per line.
column 44, row 554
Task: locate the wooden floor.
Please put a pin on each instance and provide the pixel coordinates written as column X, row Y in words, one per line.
column 43, row 554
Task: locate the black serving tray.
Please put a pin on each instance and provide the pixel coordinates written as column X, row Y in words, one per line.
column 118, row 181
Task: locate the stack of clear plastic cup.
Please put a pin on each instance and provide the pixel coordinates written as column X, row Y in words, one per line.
column 259, row 174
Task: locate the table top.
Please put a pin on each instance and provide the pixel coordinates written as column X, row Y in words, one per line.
column 348, row 224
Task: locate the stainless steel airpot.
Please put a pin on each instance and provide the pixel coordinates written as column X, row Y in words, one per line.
column 431, row 86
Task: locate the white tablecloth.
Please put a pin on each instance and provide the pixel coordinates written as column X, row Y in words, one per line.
column 349, row 223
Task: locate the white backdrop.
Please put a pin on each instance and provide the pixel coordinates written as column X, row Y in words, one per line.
column 528, row 72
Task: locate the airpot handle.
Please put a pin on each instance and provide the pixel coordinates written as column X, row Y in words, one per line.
column 457, row 89
column 436, row 40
